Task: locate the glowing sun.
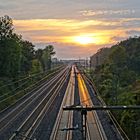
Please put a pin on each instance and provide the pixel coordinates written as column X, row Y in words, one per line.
column 84, row 40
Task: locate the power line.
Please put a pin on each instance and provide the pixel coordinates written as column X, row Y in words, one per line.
column 27, row 77
column 85, row 109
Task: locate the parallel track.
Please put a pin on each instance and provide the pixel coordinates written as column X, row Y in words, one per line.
column 94, row 127
column 30, row 124
column 65, row 119
column 36, row 87
column 26, row 118
column 36, row 102
column 113, row 131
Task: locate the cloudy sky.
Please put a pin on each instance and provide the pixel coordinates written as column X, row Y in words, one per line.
column 76, row 28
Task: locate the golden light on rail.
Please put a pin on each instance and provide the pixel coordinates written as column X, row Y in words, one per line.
column 83, row 91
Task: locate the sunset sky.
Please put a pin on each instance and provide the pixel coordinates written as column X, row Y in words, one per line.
column 76, row 28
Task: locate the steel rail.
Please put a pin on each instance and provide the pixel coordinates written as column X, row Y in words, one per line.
column 112, row 118
column 45, row 109
column 27, row 77
column 35, row 113
column 68, row 99
column 24, row 105
column 92, row 115
column 3, row 97
column 26, row 88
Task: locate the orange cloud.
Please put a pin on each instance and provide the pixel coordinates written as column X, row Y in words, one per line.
column 101, row 32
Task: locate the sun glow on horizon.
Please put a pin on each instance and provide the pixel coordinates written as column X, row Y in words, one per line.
column 87, row 39
column 68, row 32
column 83, row 40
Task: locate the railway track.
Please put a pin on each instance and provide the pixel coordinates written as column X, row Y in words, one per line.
column 105, row 128
column 26, row 116
column 93, row 125
column 64, row 119
column 113, row 131
column 64, row 123
column 36, row 86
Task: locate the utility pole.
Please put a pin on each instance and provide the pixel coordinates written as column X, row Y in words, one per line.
column 83, row 123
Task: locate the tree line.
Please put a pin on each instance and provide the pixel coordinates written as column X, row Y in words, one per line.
column 18, row 56
column 118, row 81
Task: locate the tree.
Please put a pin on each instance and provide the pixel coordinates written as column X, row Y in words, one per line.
column 10, row 58
column 6, row 27
column 38, row 54
column 118, row 56
column 18, row 55
column 10, row 48
column 46, row 57
column 27, row 55
column 118, row 78
column 36, row 66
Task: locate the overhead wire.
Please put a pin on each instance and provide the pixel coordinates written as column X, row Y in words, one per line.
column 27, row 77
column 26, row 88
